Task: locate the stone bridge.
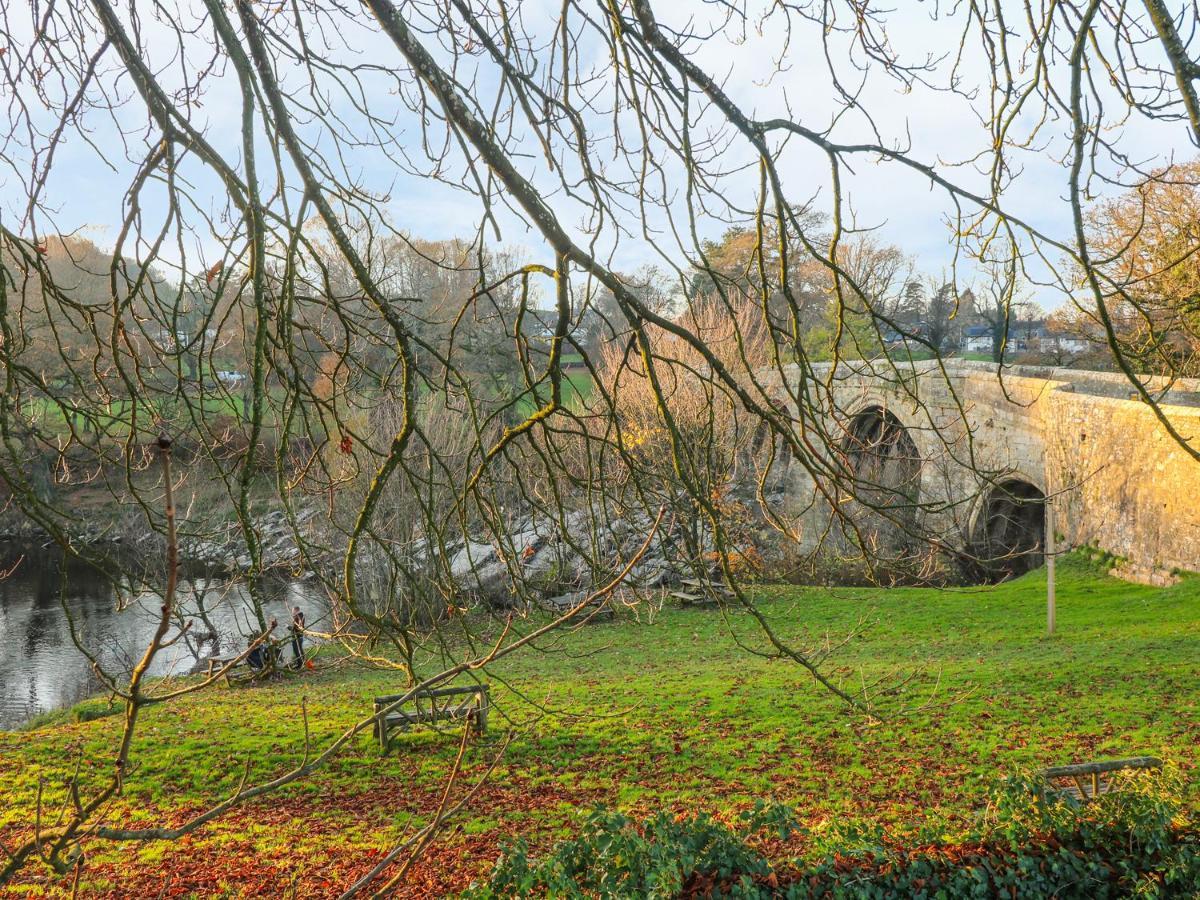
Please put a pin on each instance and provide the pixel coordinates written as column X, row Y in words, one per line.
column 979, row 454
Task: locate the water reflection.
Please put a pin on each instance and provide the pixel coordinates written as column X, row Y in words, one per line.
column 44, row 595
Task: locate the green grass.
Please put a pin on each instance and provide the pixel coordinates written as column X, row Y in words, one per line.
column 576, row 389
column 115, row 419
column 84, row 711
column 667, row 711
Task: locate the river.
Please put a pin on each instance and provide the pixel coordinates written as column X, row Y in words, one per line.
column 42, row 669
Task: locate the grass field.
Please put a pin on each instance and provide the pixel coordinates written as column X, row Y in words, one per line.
column 114, row 420
column 576, row 390
column 653, row 711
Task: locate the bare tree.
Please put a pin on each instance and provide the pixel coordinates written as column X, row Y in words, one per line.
column 941, row 309
column 251, row 232
column 999, row 300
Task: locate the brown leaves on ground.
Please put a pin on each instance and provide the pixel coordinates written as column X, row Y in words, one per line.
column 312, row 844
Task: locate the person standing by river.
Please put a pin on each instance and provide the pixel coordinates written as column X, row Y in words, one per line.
column 297, row 638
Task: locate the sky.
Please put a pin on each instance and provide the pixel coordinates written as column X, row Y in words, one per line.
column 768, row 69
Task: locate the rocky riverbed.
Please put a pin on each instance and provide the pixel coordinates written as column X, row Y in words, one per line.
column 555, row 562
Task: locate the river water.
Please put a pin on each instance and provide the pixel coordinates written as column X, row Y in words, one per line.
column 41, row 668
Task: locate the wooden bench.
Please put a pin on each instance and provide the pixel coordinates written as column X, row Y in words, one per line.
column 450, row 704
column 238, row 672
column 1084, row 782
column 693, row 592
column 216, row 663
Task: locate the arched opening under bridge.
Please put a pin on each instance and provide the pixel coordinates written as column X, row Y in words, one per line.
column 1010, row 532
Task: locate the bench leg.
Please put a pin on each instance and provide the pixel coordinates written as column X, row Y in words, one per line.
column 381, row 733
column 216, row 668
column 480, row 716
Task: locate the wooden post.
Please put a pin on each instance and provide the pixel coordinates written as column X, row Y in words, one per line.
column 1050, row 550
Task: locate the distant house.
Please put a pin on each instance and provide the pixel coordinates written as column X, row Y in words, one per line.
column 1065, row 343
column 909, row 333
column 1024, row 337
column 1038, row 337
column 172, row 342
column 538, row 327
column 977, row 339
column 539, row 324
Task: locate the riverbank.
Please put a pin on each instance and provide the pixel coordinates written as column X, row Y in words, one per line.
column 645, row 711
column 105, row 516
column 50, row 602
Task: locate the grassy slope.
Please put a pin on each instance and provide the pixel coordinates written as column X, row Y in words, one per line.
column 668, row 713
column 576, row 389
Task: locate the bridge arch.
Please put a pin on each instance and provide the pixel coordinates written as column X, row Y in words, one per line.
column 1008, row 534
column 882, row 456
column 882, row 463
column 765, row 447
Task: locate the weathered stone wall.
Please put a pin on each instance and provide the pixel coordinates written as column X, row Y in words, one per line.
column 1117, row 478
column 1126, row 484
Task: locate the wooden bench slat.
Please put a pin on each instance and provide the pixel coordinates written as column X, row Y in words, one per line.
column 431, row 707
column 459, row 709
column 1106, row 787
column 1086, row 781
column 437, row 692
column 1108, row 765
column 411, row 719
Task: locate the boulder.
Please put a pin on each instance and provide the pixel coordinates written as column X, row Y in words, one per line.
column 478, row 570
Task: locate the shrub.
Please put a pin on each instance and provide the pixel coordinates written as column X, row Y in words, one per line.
column 1127, row 844
column 662, row 858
